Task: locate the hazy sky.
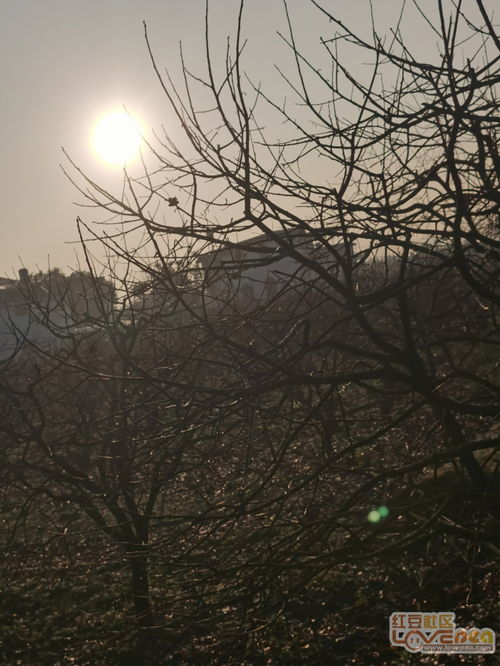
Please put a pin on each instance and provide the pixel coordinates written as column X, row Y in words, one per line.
column 64, row 62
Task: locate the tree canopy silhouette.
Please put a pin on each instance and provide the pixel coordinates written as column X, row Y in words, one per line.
column 305, row 378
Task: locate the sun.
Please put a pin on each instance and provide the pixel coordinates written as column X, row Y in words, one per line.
column 116, row 138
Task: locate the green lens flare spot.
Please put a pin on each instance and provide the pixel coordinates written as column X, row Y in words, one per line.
column 373, row 516
column 383, row 511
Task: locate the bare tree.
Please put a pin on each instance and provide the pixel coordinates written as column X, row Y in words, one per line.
column 305, row 348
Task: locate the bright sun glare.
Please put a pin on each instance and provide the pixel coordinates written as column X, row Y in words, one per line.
column 116, row 138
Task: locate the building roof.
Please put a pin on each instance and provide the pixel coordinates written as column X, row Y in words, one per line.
column 261, row 242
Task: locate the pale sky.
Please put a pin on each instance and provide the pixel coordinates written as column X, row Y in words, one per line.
column 64, row 62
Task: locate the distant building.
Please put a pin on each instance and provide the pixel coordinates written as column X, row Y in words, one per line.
column 18, row 322
column 46, row 308
column 256, row 269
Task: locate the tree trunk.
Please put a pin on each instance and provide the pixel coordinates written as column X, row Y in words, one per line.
column 456, row 437
column 138, row 560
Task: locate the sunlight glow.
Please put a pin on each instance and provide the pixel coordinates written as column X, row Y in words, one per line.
column 116, row 138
